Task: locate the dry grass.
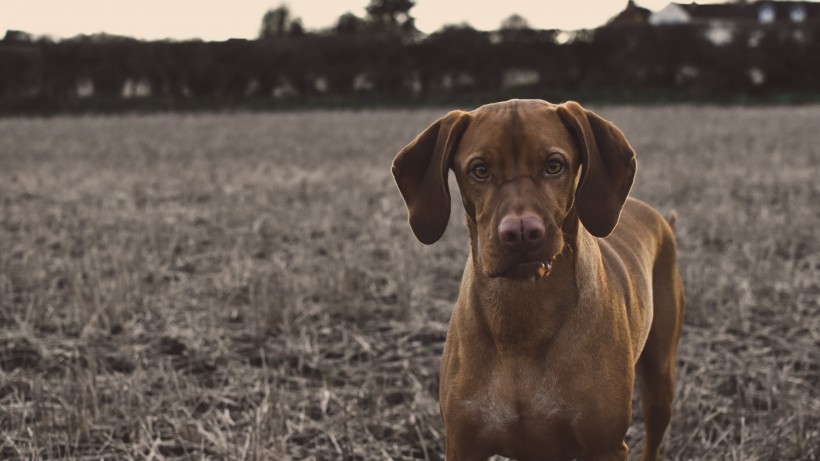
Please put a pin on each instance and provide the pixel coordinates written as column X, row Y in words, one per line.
column 246, row 287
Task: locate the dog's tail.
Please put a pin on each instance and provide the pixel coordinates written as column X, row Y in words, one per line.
column 672, row 218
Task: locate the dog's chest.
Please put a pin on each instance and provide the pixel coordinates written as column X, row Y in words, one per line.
column 510, row 415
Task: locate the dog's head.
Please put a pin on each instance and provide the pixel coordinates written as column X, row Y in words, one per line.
column 524, row 167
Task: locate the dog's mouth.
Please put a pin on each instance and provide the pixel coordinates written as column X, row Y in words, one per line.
column 530, row 270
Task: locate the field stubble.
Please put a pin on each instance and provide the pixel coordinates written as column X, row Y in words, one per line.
column 245, row 286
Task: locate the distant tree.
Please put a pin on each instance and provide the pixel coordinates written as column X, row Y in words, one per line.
column 18, row 36
column 463, row 56
column 392, row 15
column 275, row 22
column 101, row 37
column 515, row 22
column 278, row 23
column 296, row 28
column 349, row 24
column 19, row 64
column 516, row 29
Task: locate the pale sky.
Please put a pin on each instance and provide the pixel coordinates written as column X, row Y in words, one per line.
column 223, row 19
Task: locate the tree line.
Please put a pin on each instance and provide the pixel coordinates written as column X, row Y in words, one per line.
column 383, row 59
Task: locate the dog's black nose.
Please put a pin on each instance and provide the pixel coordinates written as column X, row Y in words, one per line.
column 520, row 231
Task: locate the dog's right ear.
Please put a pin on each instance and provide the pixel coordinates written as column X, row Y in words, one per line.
column 420, row 171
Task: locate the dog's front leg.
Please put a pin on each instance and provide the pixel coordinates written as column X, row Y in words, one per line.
column 457, row 452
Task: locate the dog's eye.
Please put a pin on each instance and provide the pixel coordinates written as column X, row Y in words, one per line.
column 480, row 172
column 554, row 167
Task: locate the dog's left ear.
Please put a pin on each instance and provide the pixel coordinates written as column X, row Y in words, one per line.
column 608, row 168
column 420, row 170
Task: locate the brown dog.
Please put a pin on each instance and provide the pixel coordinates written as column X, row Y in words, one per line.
column 561, row 302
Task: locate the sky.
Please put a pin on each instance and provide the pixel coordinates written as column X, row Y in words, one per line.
column 224, row 19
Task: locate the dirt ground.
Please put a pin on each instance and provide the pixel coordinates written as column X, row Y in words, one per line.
column 245, row 286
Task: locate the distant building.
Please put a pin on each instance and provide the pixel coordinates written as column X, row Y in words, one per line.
column 794, row 12
column 721, row 19
column 631, row 15
column 761, row 12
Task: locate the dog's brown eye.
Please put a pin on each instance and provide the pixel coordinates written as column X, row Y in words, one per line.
column 554, row 167
column 480, row 172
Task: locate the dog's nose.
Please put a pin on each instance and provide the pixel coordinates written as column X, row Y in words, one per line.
column 516, row 230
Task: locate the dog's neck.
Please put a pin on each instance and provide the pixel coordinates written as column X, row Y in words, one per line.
column 523, row 315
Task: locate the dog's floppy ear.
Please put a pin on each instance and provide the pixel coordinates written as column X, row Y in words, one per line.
column 608, row 168
column 420, row 170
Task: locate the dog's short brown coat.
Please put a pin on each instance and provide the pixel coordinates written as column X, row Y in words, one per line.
column 548, row 333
